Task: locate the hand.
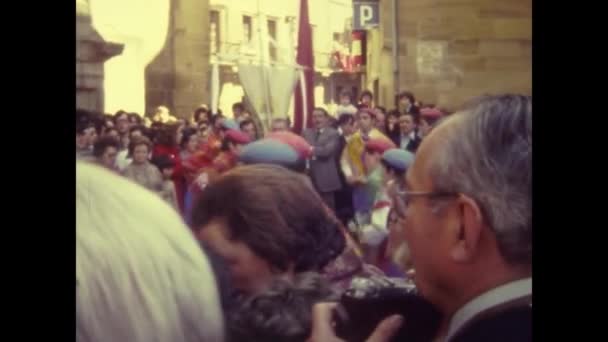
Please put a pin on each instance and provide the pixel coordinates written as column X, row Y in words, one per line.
column 322, row 330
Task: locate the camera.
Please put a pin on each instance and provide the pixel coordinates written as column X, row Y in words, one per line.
column 370, row 300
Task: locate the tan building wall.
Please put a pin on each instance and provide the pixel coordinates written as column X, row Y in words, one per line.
column 452, row 50
column 179, row 76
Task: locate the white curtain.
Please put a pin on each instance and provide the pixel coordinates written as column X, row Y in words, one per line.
column 275, row 85
column 282, row 80
column 253, row 83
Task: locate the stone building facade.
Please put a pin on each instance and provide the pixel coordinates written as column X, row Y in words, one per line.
column 91, row 52
column 179, row 75
column 452, row 50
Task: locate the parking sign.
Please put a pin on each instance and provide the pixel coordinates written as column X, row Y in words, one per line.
column 366, row 15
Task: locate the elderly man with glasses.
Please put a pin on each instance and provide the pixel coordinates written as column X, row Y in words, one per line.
column 466, row 215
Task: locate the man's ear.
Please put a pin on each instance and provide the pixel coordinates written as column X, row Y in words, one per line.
column 468, row 236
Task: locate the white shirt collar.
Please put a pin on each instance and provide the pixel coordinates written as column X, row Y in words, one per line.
column 411, row 136
column 499, row 295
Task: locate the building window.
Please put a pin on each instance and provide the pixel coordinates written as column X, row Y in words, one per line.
column 272, row 33
column 247, row 29
column 214, row 31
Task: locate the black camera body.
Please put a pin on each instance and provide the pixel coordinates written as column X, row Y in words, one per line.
column 370, row 300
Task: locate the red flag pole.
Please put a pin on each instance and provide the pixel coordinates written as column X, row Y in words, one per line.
column 304, row 58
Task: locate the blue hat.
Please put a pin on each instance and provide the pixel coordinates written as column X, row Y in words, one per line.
column 230, row 124
column 398, row 159
column 269, row 151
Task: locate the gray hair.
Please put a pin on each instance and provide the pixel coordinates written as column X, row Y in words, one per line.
column 140, row 274
column 487, row 155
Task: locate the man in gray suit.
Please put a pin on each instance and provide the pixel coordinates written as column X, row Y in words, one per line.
column 323, row 170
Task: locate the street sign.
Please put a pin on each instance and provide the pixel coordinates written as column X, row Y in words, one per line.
column 367, row 15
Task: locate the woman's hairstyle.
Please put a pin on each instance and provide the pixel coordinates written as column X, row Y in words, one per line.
column 134, row 116
column 201, row 111
column 382, row 109
column 186, row 134
column 238, row 105
column 166, row 135
column 283, row 313
column 393, row 112
column 140, row 274
column 137, row 127
column 103, row 143
column 345, row 119
column 137, row 141
column 407, row 94
column 245, row 123
column 275, row 213
column 107, row 130
column 366, row 93
column 214, row 118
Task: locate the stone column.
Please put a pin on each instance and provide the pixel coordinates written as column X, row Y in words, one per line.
column 179, row 76
column 91, row 52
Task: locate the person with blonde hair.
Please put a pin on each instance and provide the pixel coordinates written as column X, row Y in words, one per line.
column 140, row 274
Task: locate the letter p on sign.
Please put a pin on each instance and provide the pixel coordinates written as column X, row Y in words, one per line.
column 366, row 13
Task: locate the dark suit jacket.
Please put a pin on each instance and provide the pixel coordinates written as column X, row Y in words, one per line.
column 412, row 145
column 512, row 325
column 323, row 170
column 414, row 110
column 344, row 197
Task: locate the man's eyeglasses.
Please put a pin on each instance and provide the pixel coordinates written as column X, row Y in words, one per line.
column 402, row 199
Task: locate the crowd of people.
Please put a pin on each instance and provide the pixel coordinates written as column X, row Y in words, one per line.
column 261, row 232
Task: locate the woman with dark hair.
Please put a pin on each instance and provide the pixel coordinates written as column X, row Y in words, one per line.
column 381, row 124
column 392, row 125
column 266, row 221
column 188, row 143
column 166, row 141
column 366, row 99
column 135, row 119
column 406, row 103
column 213, row 144
column 200, row 114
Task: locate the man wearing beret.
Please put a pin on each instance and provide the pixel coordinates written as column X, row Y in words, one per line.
column 372, row 233
column 467, row 220
column 206, row 172
column 323, row 169
column 428, row 118
column 354, row 168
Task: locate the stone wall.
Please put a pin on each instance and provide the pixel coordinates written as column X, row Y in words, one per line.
column 452, row 50
column 179, row 76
